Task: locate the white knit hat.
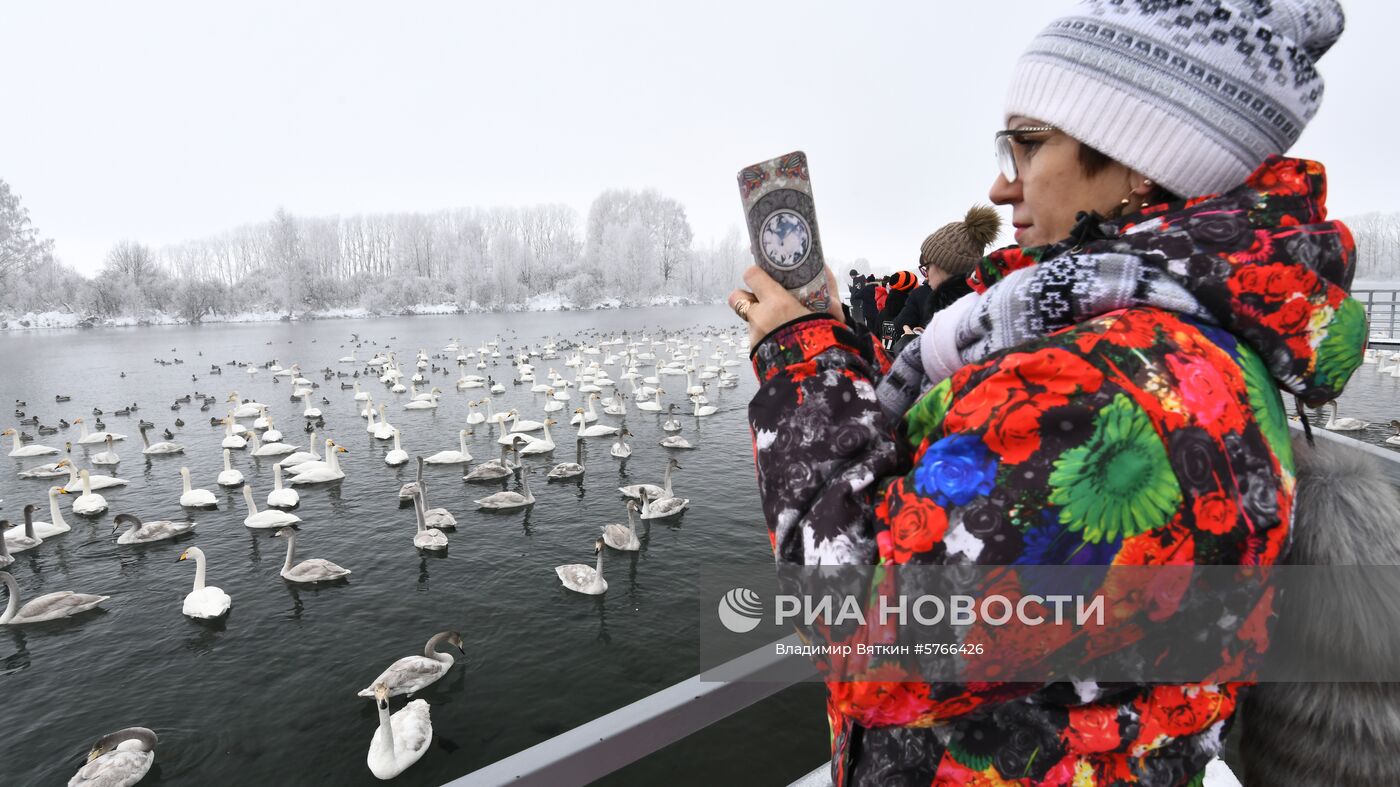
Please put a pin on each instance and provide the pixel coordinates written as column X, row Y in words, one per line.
column 1194, row 94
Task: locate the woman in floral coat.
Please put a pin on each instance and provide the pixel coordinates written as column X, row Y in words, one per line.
column 1111, row 393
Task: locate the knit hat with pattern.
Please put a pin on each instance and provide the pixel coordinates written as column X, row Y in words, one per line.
column 903, row 280
column 956, row 247
column 1194, row 94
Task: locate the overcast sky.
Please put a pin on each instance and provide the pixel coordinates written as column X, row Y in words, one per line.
column 160, row 122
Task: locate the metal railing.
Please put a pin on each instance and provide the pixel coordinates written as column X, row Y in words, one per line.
column 1382, row 310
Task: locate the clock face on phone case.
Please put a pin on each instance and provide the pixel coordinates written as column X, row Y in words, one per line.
column 786, row 239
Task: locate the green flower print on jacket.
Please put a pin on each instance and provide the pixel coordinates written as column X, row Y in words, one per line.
column 1339, row 354
column 1119, row 483
column 1267, row 405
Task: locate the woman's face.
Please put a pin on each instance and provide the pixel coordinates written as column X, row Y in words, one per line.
column 1051, row 186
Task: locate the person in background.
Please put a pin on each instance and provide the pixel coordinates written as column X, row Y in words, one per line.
column 1110, row 393
column 857, row 306
column 869, row 308
column 901, row 284
column 946, row 257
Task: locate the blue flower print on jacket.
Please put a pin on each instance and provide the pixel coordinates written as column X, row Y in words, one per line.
column 955, row 470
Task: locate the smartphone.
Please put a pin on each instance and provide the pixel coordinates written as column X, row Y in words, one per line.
column 782, row 222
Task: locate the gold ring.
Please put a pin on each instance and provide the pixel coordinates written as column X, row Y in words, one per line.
column 741, row 308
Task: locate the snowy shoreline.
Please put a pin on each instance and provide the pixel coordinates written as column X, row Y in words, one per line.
column 546, row 303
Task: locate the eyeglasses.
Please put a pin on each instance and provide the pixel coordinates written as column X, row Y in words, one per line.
column 1006, row 154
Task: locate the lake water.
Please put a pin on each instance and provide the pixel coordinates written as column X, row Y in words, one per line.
column 267, row 696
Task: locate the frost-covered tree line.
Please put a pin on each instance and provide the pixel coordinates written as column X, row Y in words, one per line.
column 1377, row 245
column 631, row 247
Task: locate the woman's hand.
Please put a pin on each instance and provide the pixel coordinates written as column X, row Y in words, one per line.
column 769, row 305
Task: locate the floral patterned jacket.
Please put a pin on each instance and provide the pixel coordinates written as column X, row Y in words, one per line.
column 1139, row 436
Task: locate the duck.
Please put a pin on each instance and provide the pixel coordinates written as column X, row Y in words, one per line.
column 412, row 674
column 397, row 456
column 88, row 503
column 281, row 496
column 264, row 519
column 582, row 578
column 195, row 498
column 620, row 448
column 50, row 606
column 504, row 501
column 228, row 476
column 310, row 570
column 624, row 537
column 203, row 602
column 661, row 508
column 163, row 447
column 635, row 491
column 108, row 457
column 572, row 469
column 27, row 450
column 146, row 532
column 425, row 537
column 118, row 759
column 460, row 456
column 401, row 739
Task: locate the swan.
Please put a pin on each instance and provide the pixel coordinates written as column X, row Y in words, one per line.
column 309, row 411
column 624, row 537
column 473, row 417
column 95, row 481
column 118, row 759
column 310, row 570
column 28, row 450
column 397, row 456
column 5, row 557
column 368, row 414
column 662, row 507
column 700, row 410
column 493, row 417
column 203, row 602
column 146, row 532
column 57, row 527
column 246, row 409
column 439, row 518
column 504, row 501
column 271, row 449
column 108, row 457
column 229, row 476
column 671, row 424
column 50, row 470
column 383, row 430
column 635, row 490
column 675, row 441
column 401, row 739
column 231, row 438
column 88, row 503
column 262, row 421
column 596, row 430
column 572, row 469
column 264, row 519
column 621, row 449
column 412, row 674
column 510, row 438
column 585, row 579
column 281, row 496
column 50, row 606
column 517, row 425
column 360, row 396
column 163, row 447
column 460, row 456
column 653, row 405
column 92, row 438
column 301, row 457
column 425, row 537
column 543, row 445
column 271, row 434
column 492, row 469
column 20, row 539
column 424, row 404
column 581, row 417
column 1342, row 424
column 318, row 464
column 195, row 498
column 1395, row 438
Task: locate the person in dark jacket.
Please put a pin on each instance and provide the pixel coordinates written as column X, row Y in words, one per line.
column 869, row 309
column 901, row 284
column 946, row 257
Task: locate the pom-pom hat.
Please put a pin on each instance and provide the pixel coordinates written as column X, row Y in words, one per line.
column 956, row 247
column 1194, row 94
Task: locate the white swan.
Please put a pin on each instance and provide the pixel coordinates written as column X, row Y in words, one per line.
column 195, row 498
column 430, row 403
column 360, row 396
column 473, row 417
column 281, row 496
column 229, row 476
column 5, row 557
column 88, row 503
column 542, row 445
column 412, row 674
column 383, row 430
column 245, row 409
column 671, row 424
column 92, row 438
column 675, row 441
column 108, row 457
column 163, row 447
column 653, row 405
column 27, row 450
column 572, row 469
column 50, row 606
column 316, row 464
column 517, row 425
column 271, row 434
column 588, row 417
column 457, row 457
column 318, row 472
column 596, row 430
column 271, row 449
column 663, row 507
column 49, row 470
column 502, row 501
column 492, row 469
column 1395, row 438
column 624, row 537
column 425, row 537
column 493, row 417
column 118, row 759
column 19, row 539
column 146, row 532
column 98, row 481
column 301, row 457
column 439, row 518
column 309, row 411
column 511, row 438
column 635, row 491
column 702, row 410
column 310, row 570
column 584, row 579
column 401, row 739
column 621, row 449
column 205, row 602
column 397, row 456
column 1342, row 424
column 231, row 438
column 264, row 519
column 57, row 526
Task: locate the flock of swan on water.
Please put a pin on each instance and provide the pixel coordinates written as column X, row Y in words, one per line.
column 124, row 757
